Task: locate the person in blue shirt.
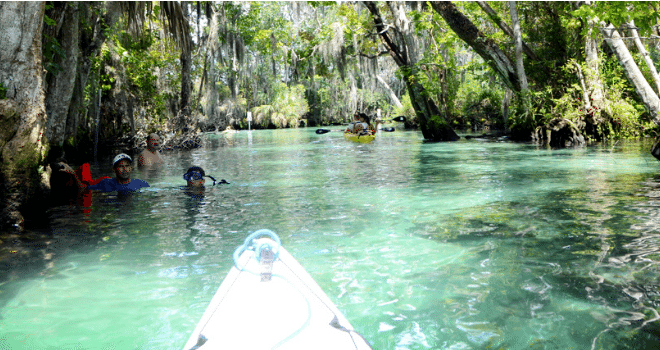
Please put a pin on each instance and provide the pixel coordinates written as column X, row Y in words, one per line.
column 122, row 165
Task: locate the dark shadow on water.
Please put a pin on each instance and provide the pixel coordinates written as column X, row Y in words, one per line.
column 69, row 228
column 599, row 246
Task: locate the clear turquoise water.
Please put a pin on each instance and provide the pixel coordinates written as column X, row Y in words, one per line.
column 465, row 245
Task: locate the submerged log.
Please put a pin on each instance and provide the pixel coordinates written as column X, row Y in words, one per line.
column 558, row 133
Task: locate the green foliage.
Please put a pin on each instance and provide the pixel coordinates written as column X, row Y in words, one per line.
column 627, row 111
column 406, row 109
column 257, row 21
column 529, row 111
column 47, row 20
column 139, row 63
column 569, row 104
column 3, row 91
column 326, row 100
column 551, row 40
column 141, row 58
column 287, row 108
column 479, row 100
column 629, row 118
column 52, row 51
column 643, row 13
column 626, row 120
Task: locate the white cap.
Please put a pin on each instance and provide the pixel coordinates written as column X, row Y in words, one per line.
column 121, row 157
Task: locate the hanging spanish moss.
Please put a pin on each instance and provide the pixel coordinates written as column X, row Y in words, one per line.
column 333, row 52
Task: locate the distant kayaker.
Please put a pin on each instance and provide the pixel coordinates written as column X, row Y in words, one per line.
column 122, row 165
column 361, row 125
column 358, row 124
column 370, row 129
column 150, row 155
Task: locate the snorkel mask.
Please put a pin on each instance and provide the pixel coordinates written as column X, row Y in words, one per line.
column 197, row 173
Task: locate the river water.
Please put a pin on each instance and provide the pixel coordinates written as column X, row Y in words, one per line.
column 475, row 244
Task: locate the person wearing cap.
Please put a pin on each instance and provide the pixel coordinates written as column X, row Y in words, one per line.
column 122, row 165
column 150, row 155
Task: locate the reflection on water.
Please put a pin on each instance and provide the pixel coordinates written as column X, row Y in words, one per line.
column 463, row 245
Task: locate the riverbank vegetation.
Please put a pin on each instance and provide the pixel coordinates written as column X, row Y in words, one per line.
column 88, row 78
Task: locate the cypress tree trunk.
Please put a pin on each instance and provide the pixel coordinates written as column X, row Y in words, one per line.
column 23, row 112
column 482, row 45
column 646, row 56
column 434, row 127
column 642, row 87
column 60, row 84
column 186, row 81
column 517, row 39
column 594, row 97
column 90, row 43
column 505, row 28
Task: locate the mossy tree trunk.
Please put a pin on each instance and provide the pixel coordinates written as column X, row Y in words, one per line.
column 69, row 73
column 186, row 66
column 596, row 110
column 523, row 126
column 432, row 124
column 23, row 114
column 644, row 90
column 482, row 45
column 505, row 28
column 61, row 77
column 517, row 39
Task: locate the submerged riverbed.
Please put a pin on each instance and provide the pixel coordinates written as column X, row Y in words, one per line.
column 475, row 244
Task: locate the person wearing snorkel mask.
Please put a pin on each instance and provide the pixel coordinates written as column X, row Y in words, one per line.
column 195, row 179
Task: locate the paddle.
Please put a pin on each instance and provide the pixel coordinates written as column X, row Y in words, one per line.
column 325, row 131
column 399, row 119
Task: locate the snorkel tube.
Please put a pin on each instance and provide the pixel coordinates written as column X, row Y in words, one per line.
column 196, row 169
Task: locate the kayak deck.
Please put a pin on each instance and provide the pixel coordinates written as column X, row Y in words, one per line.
column 359, row 138
column 288, row 310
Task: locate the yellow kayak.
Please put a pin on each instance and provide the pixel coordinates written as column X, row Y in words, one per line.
column 359, row 138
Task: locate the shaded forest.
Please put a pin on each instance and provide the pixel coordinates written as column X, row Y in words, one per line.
column 82, row 79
